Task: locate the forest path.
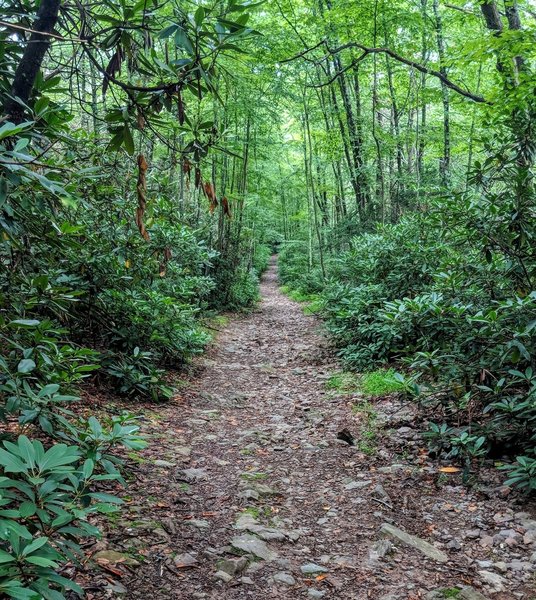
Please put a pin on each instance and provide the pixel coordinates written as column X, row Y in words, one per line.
column 246, row 462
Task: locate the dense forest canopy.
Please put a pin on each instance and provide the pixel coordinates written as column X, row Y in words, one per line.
column 153, row 156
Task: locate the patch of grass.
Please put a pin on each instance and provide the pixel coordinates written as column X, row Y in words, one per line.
column 367, row 438
column 379, row 383
column 366, row 409
column 344, row 382
column 368, row 442
column 314, row 306
column 299, row 296
column 220, row 320
column 450, row 593
column 135, row 457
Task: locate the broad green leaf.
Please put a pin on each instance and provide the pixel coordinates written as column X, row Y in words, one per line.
column 5, row 557
column 12, row 463
column 26, row 365
column 128, row 140
column 35, row 545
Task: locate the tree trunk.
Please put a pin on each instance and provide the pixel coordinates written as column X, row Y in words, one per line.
column 31, row 60
column 309, row 169
column 444, row 165
column 355, row 145
column 422, row 125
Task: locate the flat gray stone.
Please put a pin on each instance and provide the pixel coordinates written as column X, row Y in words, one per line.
column 264, row 490
column 246, row 521
column 270, row 534
column 117, row 589
column 469, row 593
column 392, row 468
column 380, row 493
column 194, row 474
column 357, row 485
column 311, row 568
column 185, row 561
column 315, row 593
column 414, row 542
column 495, row 581
column 196, row 421
column 113, row 557
column 163, row 463
column 379, row 550
column 183, row 450
column 223, row 576
column 249, row 494
column 199, row 523
column 253, row 545
column 284, row 578
column 232, row 566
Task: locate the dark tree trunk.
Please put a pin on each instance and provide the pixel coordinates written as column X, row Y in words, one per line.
column 491, row 16
column 514, row 23
column 32, row 58
column 354, row 138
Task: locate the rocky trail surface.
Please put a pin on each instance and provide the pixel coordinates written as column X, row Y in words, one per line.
column 246, row 490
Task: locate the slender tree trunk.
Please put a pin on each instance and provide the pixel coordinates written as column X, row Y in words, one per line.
column 422, row 125
column 396, row 183
column 444, row 165
column 345, row 141
column 472, row 133
column 314, row 201
column 354, row 138
column 380, row 179
column 94, row 99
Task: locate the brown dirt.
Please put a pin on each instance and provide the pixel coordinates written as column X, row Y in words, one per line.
column 258, row 412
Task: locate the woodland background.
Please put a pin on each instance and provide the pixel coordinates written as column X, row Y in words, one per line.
column 153, row 156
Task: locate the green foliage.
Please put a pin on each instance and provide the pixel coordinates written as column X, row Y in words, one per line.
column 109, row 264
column 261, row 258
column 47, row 496
column 450, row 295
column 522, row 473
column 136, row 375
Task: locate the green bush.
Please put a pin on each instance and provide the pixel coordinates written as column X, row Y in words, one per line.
column 458, row 319
column 261, row 258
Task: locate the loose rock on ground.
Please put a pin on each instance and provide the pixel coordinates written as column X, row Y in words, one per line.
column 254, row 496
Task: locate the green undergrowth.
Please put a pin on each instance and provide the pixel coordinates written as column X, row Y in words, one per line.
column 344, row 381
column 380, row 383
column 368, row 432
column 312, row 301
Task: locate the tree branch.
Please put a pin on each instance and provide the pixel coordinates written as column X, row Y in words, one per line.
column 406, row 61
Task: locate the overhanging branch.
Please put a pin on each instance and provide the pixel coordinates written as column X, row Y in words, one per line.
column 366, row 50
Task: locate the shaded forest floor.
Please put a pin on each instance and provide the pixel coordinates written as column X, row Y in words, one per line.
column 245, row 490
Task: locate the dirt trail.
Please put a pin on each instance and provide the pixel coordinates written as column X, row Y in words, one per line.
column 248, row 457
